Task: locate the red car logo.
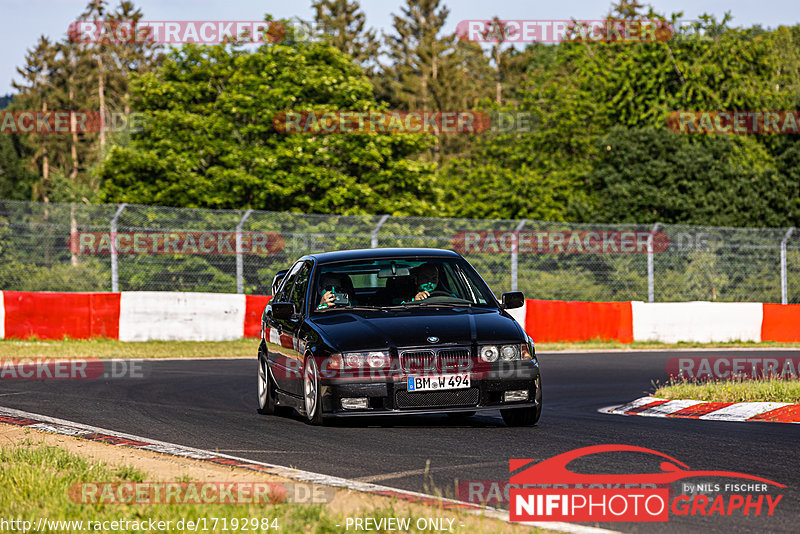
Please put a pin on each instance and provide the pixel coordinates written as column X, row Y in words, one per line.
column 554, row 470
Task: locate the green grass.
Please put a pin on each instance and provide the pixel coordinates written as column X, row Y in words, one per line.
column 744, row 390
column 35, row 481
column 109, row 348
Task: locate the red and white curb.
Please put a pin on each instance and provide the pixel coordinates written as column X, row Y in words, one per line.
column 772, row 412
column 68, row 428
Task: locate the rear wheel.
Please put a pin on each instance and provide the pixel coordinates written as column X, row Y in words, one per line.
column 311, row 392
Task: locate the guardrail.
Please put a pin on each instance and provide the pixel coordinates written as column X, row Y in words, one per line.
column 155, row 315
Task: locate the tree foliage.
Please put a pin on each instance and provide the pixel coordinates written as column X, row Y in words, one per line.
column 210, row 140
column 600, row 150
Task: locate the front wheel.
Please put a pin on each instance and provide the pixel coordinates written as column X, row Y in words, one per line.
column 521, row 416
column 311, row 392
column 266, row 389
column 525, row 416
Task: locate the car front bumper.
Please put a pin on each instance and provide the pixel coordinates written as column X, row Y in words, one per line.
column 391, row 396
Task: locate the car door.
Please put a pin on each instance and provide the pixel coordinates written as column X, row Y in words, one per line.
column 279, row 337
column 298, row 296
column 284, row 351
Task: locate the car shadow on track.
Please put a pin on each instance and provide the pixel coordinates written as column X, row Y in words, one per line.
column 486, row 420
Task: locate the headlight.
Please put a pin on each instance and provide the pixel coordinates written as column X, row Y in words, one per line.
column 357, row 360
column 506, row 353
column 509, row 352
column 489, row 353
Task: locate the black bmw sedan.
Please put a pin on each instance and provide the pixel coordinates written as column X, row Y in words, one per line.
column 394, row 332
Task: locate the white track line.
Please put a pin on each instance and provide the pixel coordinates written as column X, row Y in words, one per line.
column 62, row 426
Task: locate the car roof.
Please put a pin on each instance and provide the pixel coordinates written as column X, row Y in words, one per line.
column 379, row 253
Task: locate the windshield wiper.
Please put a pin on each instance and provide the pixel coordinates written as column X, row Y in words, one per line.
column 451, row 304
column 352, row 308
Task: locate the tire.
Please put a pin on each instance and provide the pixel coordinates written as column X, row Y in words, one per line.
column 521, row 416
column 266, row 389
column 312, row 397
column 525, row 416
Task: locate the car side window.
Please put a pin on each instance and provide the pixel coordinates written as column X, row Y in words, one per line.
column 288, row 283
column 298, row 295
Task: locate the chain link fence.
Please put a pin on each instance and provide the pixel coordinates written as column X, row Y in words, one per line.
column 80, row 247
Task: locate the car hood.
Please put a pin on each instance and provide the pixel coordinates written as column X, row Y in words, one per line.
column 359, row 330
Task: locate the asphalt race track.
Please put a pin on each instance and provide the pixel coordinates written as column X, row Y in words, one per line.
column 210, row 404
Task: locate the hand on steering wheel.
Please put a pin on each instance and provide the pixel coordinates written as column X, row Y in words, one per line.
column 422, row 295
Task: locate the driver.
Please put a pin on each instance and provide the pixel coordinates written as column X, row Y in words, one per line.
column 330, row 285
column 426, row 280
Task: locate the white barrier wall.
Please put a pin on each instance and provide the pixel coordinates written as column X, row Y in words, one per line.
column 519, row 314
column 672, row 322
column 145, row 315
column 2, row 317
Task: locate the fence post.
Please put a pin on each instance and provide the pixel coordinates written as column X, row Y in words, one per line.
column 784, row 288
column 114, row 265
column 651, row 292
column 374, row 241
column 239, row 259
column 515, row 255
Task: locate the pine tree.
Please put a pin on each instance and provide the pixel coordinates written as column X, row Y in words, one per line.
column 36, row 94
column 78, row 76
column 129, row 57
column 96, row 11
column 431, row 71
column 417, row 52
column 344, row 23
column 73, row 68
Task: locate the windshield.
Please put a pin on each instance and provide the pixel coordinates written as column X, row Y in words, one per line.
column 403, row 282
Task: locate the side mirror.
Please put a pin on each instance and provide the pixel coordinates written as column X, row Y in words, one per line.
column 283, row 310
column 276, row 282
column 513, row 299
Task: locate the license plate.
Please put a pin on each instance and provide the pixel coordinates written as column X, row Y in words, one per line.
column 438, row 382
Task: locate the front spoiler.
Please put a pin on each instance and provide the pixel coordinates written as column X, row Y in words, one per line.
column 426, row 411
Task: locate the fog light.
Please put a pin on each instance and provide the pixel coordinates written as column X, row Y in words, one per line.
column 515, row 395
column 356, row 403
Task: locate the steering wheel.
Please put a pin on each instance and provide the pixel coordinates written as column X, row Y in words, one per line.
column 438, row 293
